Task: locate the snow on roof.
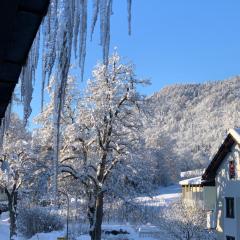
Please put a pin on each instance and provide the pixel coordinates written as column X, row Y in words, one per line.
column 192, row 173
column 191, row 181
column 235, row 134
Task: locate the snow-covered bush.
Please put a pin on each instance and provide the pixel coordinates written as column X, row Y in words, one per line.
column 36, row 220
column 184, row 222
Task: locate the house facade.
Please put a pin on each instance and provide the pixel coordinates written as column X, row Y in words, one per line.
column 224, row 173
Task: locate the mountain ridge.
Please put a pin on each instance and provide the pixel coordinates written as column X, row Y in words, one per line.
column 191, row 120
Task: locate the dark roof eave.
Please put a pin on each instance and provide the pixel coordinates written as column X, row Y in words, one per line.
column 212, row 168
column 23, row 18
column 210, row 183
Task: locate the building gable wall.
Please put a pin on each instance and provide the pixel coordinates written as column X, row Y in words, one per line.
column 227, row 187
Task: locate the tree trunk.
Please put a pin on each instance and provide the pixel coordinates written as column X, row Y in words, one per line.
column 91, row 214
column 99, row 217
column 12, row 205
column 96, row 226
column 13, row 226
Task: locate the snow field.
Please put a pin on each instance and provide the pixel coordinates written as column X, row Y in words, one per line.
column 161, row 198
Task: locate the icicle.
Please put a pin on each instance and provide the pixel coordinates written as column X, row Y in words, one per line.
column 5, row 123
column 7, row 118
column 102, row 6
column 49, row 33
column 107, row 34
column 2, row 131
column 76, row 27
column 65, row 46
column 129, row 8
column 27, row 78
column 95, row 16
column 56, row 144
column 35, row 54
column 26, row 91
column 83, row 35
column 105, row 14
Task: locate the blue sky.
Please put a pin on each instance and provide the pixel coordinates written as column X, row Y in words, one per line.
column 173, row 41
column 178, row 41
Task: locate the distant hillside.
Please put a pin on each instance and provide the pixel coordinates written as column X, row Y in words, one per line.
column 190, row 121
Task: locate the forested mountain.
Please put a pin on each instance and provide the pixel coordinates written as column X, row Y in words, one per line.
column 190, row 121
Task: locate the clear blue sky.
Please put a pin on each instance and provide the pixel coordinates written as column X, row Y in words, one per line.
column 173, row 41
column 178, row 41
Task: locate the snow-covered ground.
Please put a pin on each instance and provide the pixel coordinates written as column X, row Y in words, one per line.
column 134, row 234
column 162, row 197
column 4, row 226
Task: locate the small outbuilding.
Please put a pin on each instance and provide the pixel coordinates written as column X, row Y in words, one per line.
column 196, row 192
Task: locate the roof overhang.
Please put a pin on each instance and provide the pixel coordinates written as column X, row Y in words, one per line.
column 19, row 23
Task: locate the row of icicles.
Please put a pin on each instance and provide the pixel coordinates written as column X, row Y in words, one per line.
column 63, row 33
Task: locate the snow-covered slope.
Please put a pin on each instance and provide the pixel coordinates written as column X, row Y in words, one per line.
column 189, row 123
column 162, row 197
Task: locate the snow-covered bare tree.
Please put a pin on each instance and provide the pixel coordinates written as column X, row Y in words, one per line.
column 185, row 222
column 99, row 145
column 14, row 155
column 101, row 142
column 43, row 136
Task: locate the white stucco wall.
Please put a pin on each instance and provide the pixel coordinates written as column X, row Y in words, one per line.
column 209, row 197
column 228, row 188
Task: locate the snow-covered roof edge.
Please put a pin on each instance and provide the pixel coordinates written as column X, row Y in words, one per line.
column 235, row 134
column 192, row 173
column 191, row 181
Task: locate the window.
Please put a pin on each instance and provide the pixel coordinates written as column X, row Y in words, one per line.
column 231, row 169
column 230, row 208
column 230, row 238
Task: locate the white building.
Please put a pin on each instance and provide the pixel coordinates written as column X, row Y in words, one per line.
column 224, row 173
